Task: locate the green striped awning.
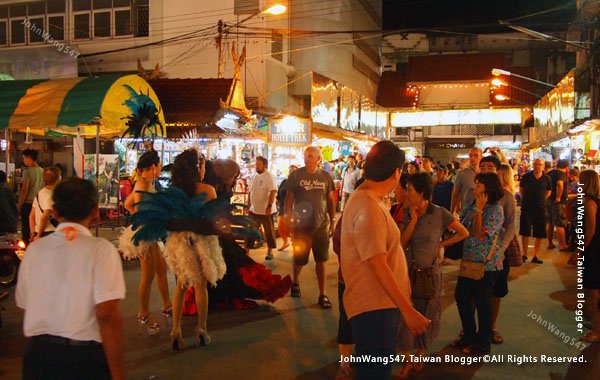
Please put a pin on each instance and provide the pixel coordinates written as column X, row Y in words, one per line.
column 73, row 106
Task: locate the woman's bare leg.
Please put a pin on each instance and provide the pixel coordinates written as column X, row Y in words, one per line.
column 160, row 270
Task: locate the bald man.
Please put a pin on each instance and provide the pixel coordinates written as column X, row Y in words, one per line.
column 535, row 188
column 310, row 210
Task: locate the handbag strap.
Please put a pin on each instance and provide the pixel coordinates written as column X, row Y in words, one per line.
column 39, row 205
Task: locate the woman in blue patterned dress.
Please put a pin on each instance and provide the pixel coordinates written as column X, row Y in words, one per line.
column 483, row 218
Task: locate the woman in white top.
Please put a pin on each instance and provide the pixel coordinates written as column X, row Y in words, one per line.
column 152, row 262
column 41, row 209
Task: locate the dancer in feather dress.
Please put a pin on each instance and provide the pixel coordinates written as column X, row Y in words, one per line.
column 152, row 262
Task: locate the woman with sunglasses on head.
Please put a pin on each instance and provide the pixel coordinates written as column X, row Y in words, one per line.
column 152, row 262
column 483, row 218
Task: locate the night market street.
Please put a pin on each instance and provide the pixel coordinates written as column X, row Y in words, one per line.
column 295, row 339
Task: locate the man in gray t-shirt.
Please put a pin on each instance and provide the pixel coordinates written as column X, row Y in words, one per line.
column 310, row 210
column 462, row 194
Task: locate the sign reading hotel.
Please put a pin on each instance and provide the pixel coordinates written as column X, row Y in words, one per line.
column 290, row 131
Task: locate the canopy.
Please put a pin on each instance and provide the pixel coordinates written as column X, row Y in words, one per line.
column 73, row 106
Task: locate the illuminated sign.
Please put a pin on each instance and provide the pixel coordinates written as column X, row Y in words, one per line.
column 289, row 131
column 456, row 117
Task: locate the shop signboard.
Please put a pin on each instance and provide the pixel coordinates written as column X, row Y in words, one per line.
column 556, row 110
column 290, row 131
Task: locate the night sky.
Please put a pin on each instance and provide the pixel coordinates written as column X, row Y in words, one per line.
column 477, row 16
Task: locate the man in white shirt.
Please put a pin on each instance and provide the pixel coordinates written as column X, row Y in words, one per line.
column 263, row 190
column 70, row 284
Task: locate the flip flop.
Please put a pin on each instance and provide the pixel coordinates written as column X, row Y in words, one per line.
column 324, row 302
column 497, row 338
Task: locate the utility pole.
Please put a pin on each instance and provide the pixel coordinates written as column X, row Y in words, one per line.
column 220, row 47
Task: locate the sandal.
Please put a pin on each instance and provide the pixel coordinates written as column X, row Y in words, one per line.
column 497, row 338
column 460, row 343
column 295, row 292
column 152, row 327
column 324, row 302
column 590, row 338
column 167, row 313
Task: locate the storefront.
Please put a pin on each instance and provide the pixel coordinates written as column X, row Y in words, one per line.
column 446, row 150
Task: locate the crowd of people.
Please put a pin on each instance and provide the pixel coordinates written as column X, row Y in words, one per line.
column 390, row 285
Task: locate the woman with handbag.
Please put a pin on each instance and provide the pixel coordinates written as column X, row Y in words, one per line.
column 41, row 220
column 422, row 228
column 481, row 263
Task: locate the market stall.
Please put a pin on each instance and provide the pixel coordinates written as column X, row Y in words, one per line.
column 94, row 107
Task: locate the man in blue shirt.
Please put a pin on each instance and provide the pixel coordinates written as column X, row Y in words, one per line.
column 442, row 190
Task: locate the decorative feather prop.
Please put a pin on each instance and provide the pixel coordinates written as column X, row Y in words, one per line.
column 144, row 119
column 172, row 210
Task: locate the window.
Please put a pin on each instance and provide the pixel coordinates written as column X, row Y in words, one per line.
column 3, row 12
column 82, row 5
column 277, row 46
column 102, row 4
column 55, row 6
column 18, row 10
column 143, row 15
column 37, row 8
column 3, row 32
column 56, row 27
column 36, row 29
column 17, row 31
column 82, row 26
column 102, row 24
column 122, row 23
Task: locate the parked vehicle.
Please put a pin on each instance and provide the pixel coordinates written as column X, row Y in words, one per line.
column 12, row 250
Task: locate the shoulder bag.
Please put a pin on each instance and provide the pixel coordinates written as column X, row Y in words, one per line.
column 422, row 281
column 514, row 253
column 473, row 270
column 52, row 221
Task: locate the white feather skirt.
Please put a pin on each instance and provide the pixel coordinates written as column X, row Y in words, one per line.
column 194, row 257
column 129, row 250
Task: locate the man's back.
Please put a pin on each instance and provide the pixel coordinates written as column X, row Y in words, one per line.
column 368, row 230
column 76, row 274
column 34, row 175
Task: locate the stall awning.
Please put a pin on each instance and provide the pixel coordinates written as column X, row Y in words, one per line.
column 73, row 106
column 320, row 133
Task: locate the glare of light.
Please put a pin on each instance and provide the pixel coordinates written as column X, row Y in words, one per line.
column 497, row 72
column 290, row 124
column 499, row 82
column 501, row 97
column 231, row 116
column 565, row 154
column 21, row 244
column 276, row 9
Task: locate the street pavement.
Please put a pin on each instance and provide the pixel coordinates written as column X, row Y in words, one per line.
column 295, row 339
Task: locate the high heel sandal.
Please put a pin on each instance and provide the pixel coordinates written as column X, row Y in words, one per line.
column 203, row 337
column 151, row 327
column 168, row 313
column 176, row 342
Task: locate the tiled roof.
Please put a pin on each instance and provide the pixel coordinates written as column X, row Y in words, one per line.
column 191, row 102
column 453, row 67
column 393, row 91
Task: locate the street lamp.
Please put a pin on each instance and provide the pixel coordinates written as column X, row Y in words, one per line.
column 500, row 83
column 498, row 72
column 275, row 9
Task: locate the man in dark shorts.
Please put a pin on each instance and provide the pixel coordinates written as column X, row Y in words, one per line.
column 310, row 209
column 557, row 204
column 535, row 188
